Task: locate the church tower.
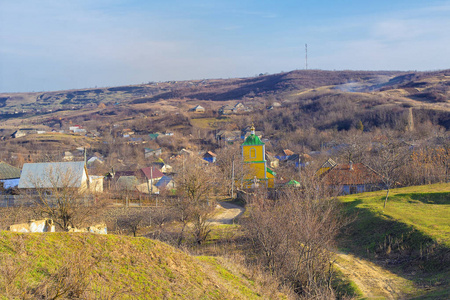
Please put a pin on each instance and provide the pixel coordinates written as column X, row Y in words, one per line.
column 254, row 156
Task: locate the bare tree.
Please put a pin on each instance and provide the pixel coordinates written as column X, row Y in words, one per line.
column 197, row 183
column 292, row 237
column 355, row 145
column 387, row 159
column 231, row 167
column 442, row 156
column 133, row 219
column 61, row 194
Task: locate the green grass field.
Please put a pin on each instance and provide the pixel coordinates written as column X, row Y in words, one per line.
column 424, row 208
column 410, row 237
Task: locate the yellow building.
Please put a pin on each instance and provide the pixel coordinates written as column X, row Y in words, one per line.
column 254, row 155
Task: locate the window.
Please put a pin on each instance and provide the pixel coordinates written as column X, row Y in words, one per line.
column 252, row 153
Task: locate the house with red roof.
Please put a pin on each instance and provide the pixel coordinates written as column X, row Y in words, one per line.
column 350, row 178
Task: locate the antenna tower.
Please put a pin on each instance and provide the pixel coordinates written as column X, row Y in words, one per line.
column 306, row 56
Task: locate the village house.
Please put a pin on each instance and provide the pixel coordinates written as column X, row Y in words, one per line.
column 273, row 161
column 126, row 182
column 9, row 176
column 349, row 178
column 185, row 153
column 93, row 161
column 153, row 136
column 18, row 133
column 276, row 104
column 230, row 109
column 228, row 136
column 166, row 183
column 142, row 180
column 127, row 132
column 151, row 176
column 80, row 131
column 210, row 157
column 68, row 156
column 162, row 166
column 226, row 110
column 149, row 153
column 197, row 109
column 74, row 127
column 152, row 173
column 57, row 175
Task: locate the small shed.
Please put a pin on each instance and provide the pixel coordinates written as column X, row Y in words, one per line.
column 210, row 157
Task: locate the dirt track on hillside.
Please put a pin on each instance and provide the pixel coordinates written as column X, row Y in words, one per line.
column 227, row 213
column 372, row 280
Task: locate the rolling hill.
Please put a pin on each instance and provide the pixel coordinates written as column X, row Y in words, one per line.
column 390, row 90
column 91, row 266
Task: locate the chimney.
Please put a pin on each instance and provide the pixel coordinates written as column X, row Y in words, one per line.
column 350, row 165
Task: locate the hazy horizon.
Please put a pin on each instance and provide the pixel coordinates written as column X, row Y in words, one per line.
column 58, row 45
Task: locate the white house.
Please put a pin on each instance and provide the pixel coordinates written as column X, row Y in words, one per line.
column 52, row 175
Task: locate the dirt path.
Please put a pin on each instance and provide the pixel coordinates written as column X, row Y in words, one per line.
column 227, row 213
column 373, row 280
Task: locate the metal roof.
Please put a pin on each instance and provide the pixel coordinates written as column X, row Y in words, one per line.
column 252, row 140
column 8, row 171
column 152, row 172
column 163, row 182
column 52, row 175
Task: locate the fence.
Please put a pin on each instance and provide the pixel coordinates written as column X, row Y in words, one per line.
column 32, row 200
column 14, row 201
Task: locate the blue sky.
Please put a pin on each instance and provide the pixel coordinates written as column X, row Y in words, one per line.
column 63, row 44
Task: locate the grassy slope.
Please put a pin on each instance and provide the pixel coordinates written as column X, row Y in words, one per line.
column 129, row 267
column 208, row 123
column 412, row 233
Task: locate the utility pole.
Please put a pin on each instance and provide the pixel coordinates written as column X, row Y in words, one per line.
column 232, row 179
column 306, row 56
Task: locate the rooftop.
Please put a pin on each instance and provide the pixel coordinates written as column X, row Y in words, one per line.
column 252, row 140
column 8, row 171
